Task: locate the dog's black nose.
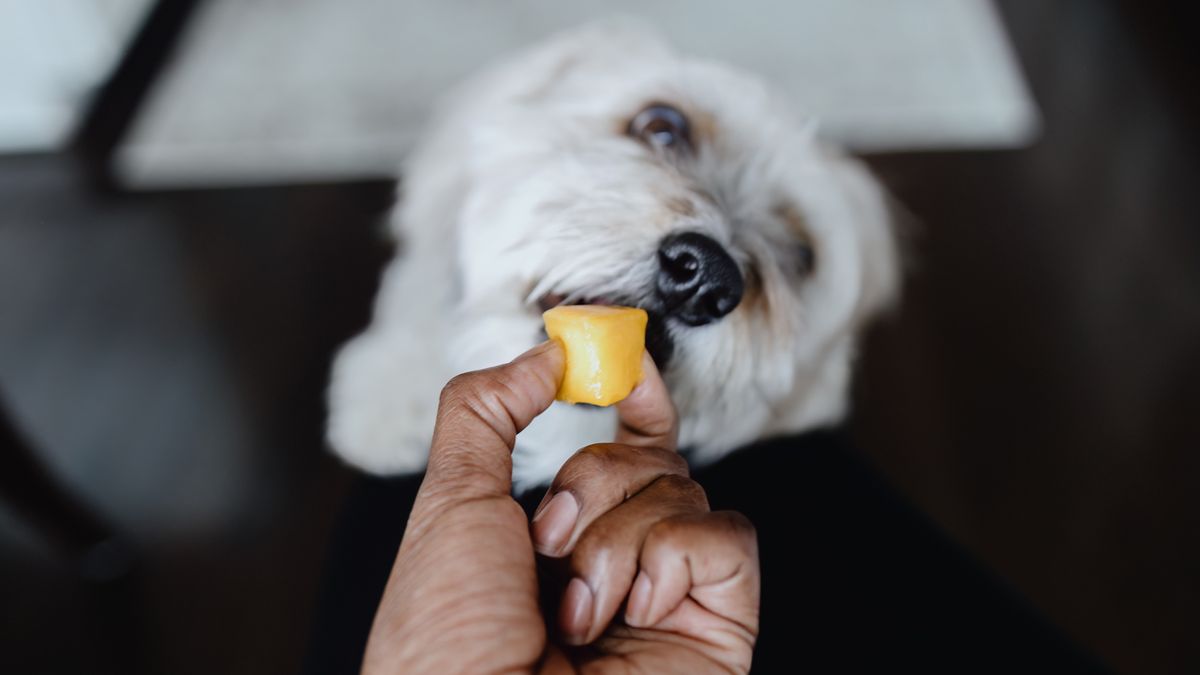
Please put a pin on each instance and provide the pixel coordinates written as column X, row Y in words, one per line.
column 698, row 282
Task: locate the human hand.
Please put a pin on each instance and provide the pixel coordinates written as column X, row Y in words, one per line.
column 623, row 517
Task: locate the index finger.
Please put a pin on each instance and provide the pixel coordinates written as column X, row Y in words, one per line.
column 647, row 417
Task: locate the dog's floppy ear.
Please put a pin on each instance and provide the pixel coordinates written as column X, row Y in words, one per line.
column 534, row 73
column 875, row 218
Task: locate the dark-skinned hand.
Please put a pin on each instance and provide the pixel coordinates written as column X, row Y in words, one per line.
column 657, row 582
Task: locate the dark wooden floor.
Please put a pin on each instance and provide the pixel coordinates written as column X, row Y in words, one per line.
column 1038, row 393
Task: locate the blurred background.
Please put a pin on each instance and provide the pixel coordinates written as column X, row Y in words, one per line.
column 191, row 199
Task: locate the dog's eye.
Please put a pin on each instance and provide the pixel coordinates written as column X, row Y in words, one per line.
column 661, row 126
column 807, row 259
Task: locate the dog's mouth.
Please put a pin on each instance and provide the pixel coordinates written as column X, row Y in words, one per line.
column 551, row 300
column 658, row 339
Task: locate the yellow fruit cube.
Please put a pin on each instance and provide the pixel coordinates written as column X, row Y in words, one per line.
column 604, row 346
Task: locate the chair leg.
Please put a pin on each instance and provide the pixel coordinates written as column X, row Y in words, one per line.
column 72, row 529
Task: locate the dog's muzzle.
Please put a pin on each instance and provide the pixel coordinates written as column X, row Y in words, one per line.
column 698, row 282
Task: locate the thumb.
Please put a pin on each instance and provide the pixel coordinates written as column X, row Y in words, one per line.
column 479, row 416
column 462, row 596
column 647, row 417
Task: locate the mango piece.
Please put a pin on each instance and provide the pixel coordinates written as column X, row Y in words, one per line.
column 604, row 346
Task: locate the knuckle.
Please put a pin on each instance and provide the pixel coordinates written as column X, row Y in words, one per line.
column 738, row 521
column 674, row 461
column 661, row 459
column 459, row 387
column 590, row 548
column 666, row 534
column 728, row 531
column 737, row 527
column 478, row 390
column 601, row 451
column 610, row 462
column 683, row 488
column 589, row 460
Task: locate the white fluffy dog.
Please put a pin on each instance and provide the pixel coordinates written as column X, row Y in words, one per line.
column 603, row 167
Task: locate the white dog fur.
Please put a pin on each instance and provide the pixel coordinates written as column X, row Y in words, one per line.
column 528, row 185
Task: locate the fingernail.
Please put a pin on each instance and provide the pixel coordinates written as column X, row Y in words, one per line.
column 536, row 350
column 647, row 364
column 552, row 526
column 638, row 605
column 575, row 615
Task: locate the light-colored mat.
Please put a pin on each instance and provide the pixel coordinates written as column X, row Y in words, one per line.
column 53, row 56
column 271, row 91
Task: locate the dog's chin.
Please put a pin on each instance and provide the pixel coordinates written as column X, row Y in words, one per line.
column 659, row 342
